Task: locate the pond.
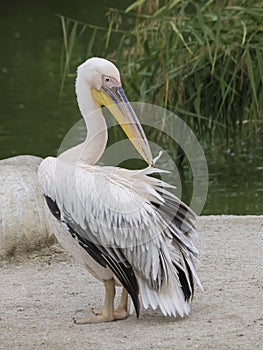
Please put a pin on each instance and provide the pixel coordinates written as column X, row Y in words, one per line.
column 34, row 119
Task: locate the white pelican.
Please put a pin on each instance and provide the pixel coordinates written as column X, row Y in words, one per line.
column 123, row 226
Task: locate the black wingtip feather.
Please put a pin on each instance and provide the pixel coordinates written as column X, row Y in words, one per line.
column 184, row 284
column 52, row 205
column 187, row 282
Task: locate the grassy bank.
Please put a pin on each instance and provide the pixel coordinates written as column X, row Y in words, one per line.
column 202, row 60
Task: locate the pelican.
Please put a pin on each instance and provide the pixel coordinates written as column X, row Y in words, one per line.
column 124, row 226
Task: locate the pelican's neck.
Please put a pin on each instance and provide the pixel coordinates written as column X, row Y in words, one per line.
column 93, row 147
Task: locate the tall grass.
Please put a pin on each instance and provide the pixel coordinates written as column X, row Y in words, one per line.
column 202, row 60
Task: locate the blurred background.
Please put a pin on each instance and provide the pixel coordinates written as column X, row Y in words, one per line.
column 203, row 60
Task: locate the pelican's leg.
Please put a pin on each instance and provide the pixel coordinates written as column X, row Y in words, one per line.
column 122, row 310
column 107, row 314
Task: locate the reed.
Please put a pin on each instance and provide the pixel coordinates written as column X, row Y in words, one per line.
column 203, row 60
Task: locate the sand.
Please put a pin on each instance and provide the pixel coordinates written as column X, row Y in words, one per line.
column 40, row 294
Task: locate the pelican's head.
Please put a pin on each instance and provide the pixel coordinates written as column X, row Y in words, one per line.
column 103, row 79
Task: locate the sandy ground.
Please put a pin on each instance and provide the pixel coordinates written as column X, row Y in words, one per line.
column 40, row 294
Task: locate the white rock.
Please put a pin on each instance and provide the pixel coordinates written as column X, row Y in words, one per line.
column 23, row 224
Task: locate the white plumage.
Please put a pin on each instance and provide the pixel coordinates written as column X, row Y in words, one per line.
column 122, row 225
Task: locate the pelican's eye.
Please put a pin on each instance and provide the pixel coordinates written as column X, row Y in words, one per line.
column 109, row 82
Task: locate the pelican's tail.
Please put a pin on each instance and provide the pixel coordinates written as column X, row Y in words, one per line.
column 169, row 298
column 174, row 290
column 174, row 294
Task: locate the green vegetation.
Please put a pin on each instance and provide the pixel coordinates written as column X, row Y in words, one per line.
column 202, row 60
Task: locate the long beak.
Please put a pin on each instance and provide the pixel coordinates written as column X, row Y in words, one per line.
column 119, row 106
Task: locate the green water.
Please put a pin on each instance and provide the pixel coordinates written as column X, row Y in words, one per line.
column 34, row 120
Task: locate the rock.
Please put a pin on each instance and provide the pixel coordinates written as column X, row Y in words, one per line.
column 23, row 224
